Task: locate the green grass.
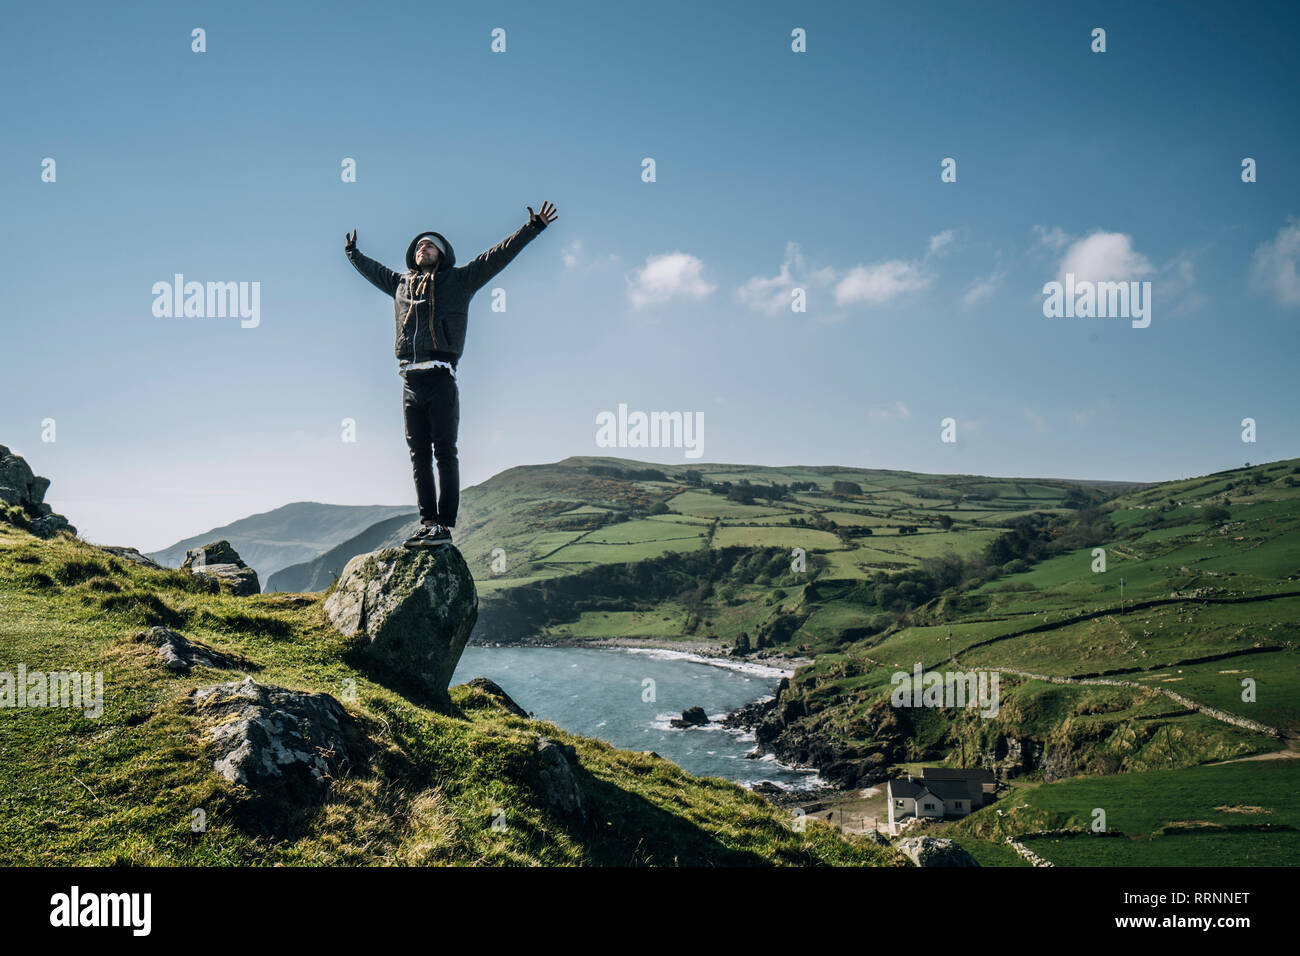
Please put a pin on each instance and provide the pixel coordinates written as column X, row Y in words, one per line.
column 1237, row 814
column 121, row 789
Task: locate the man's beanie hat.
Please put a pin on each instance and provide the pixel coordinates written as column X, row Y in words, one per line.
column 448, row 255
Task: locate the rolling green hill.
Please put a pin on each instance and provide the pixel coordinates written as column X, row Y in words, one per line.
column 867, row 573
column 1198, row 664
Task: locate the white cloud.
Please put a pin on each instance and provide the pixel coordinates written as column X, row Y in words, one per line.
column 771, row 294
column 1037, row 420
column 941, row 240
column 1110, row 257
column 1054, row 238
column 1275, row 265
column 983, row 288
column 575, row 257
column 1085, row 416
column 870, row 285
column 672, row 275
column 894, row 409
column 1104, row 257
column 879, row 283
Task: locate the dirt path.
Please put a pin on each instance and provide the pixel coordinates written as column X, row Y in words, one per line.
column 1292, row 752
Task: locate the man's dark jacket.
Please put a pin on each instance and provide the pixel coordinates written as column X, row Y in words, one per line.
column 451, row 288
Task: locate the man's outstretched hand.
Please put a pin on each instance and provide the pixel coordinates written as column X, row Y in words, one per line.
column 351, row 241
column 543, row 218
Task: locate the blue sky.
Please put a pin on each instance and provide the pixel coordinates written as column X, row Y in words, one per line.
column 774, row 170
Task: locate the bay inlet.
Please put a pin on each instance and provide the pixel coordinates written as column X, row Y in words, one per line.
column 628, row 696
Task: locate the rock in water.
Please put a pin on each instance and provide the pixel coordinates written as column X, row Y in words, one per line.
column 691, row 717
column 20, row 487
column 929, row 851
column 414, row 609
column 219, row 562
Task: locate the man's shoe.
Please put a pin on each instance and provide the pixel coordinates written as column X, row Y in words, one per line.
column 420, row 539
column 429, row 536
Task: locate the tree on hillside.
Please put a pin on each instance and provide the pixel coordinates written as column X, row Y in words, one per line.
column 1215, row 515
column 1076, row 498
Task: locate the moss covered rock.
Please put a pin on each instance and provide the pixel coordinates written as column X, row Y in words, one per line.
column 412, row 611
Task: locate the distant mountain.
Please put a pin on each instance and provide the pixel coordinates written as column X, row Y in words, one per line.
column 318, row 573
column 287, row 535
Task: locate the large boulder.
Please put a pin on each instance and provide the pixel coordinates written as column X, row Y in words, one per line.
column 219, row 562
column 284, row 747
column 18, row 485
column 23, row 489
column 931, row 851
column 411, row 609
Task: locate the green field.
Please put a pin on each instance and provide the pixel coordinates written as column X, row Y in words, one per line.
column 1237, row 814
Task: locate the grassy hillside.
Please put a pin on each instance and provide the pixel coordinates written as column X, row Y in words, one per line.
column 1245, row 813
column 1211, row 596
column 122, row 788
column 594, row 518
column 554, row 519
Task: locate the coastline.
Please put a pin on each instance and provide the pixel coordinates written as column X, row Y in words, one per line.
column 705, row 652
column 741, row 718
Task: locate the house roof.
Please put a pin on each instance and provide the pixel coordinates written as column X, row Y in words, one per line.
column 947, row 790
column 904, row 788
column 944, row 790
column 952, row 773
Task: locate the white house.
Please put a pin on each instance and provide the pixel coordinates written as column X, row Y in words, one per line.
column 940, row 793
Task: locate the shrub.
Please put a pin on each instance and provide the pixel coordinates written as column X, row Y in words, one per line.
column 73, row 572
column 1215, row 515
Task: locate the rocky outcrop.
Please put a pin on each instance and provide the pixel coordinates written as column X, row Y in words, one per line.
column 220, row 562
column 1011, row 756
column 783, row 726
column 21, row 488
column 495, row 691
column 412, row 611
column 553, row 768
column 691, row 717
column 930, row 851
column 132, row 555
column 284, row 747
column 180, row 654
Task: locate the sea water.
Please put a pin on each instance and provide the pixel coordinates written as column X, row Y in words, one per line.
column 628, row 696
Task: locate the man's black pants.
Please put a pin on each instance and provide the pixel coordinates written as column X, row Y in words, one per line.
column 431, row 408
